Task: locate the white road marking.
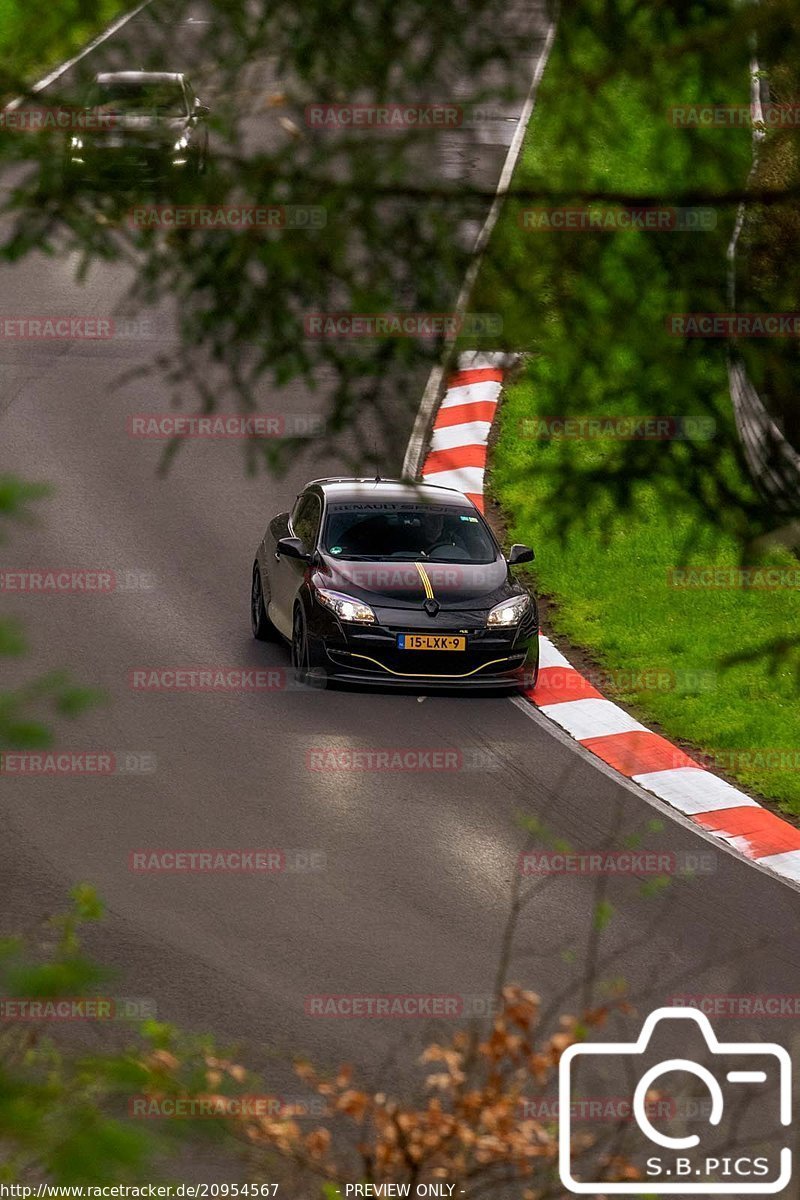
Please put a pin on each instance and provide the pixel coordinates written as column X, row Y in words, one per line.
column 465, row 479
column 472, row 433
column 471, row 393
column 550, row 656
column 693, row 790
column 591, row 718
column 415, row 452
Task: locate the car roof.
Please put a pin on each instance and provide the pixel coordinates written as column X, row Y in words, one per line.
column 388, row 490
column 139, row 77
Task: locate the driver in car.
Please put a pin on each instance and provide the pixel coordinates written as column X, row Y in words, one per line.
column 434, row 533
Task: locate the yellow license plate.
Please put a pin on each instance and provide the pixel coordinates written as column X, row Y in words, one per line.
column 431, row 641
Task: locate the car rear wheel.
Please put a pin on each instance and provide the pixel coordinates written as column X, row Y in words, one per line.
column 263, row 629
column 306, row 656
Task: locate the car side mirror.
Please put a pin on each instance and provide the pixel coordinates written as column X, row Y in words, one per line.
column 201, row 110
column 520, row 554
column 292, row 547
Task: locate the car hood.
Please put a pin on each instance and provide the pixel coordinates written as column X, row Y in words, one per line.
column 137, row 127
column 401, row 584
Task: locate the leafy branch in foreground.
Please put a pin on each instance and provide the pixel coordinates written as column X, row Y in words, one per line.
column 478, row 1108
column 21, row 727
column 70, row 1116
column 395, row 237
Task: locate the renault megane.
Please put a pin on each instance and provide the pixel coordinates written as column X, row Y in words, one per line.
column 389, row 582
column 146, row 124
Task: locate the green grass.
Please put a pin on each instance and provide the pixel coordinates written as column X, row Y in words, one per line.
column 610, row 519
column 609, row 582
column 35, row 38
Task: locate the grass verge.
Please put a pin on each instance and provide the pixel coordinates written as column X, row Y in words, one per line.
column 36, row 38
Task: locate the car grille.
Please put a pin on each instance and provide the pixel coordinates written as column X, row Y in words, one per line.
column 382, row 649
column 430, row 665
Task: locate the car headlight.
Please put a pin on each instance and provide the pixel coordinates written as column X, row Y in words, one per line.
column 181, row 143
column 76, row 143
column 508, row 612
column 346, row 607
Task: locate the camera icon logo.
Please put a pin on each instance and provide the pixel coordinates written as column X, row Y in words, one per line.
column 681, row 1165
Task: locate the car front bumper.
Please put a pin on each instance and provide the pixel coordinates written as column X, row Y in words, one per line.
column 128, row 163
column 492, row 658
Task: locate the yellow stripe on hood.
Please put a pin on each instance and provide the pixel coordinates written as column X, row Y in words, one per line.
column 426, row 583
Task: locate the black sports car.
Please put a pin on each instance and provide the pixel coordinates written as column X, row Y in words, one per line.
column 386, row 582
column 141, row 124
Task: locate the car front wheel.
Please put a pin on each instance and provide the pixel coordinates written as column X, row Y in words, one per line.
column 307, row 658
column 263, row 629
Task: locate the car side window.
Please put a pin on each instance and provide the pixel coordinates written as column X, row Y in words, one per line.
column 306, row 517
column 186, row 93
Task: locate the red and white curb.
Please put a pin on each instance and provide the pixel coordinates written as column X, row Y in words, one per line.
column 457, row 455
column 457, row 458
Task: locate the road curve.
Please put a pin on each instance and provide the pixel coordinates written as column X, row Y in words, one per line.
column 418, row 865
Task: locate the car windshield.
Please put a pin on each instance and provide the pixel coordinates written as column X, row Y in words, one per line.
column 425, row 532
column 163, row 97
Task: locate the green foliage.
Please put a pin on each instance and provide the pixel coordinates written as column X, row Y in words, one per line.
column 16, row 496
column 385, row 245
column 610, row 517
column 51, row 1116
column 21, row 726
column 31, row 42
column 770, row 240
column 64, row 1111
column 603, row 913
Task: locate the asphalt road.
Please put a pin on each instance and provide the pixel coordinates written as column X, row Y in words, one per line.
column 418, row 867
